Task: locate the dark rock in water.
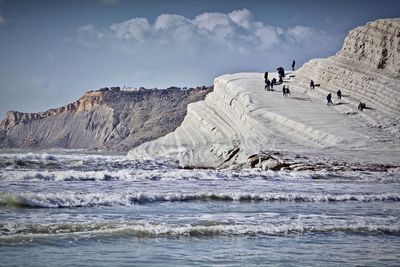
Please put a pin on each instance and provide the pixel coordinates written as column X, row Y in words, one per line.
column 108, row 119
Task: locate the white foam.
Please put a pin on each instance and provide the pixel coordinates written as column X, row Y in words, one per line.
column 45, row 156
column 72, row 199
column 11, row 232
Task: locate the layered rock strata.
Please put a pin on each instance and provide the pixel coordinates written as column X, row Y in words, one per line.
column 367, row 69
column 104, row 119
column 240, row 122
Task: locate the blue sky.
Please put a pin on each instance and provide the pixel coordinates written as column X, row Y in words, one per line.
column 53, row 51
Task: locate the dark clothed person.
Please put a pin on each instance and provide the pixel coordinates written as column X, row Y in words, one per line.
column 339, row 94
column 267, row 84
column 361, row 106
column 287, row 91
column 329, row 99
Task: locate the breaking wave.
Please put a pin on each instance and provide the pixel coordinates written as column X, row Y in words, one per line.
column 73, row 200
column 20, row 232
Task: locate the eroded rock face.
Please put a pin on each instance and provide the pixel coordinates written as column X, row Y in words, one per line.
column 367, row 69
column 377, row 45
column 86, row 102
column 104, row 119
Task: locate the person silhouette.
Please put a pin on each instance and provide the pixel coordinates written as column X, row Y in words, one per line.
column 287, row 90
column 339, row 94
column 329, row 99
column 293, row 64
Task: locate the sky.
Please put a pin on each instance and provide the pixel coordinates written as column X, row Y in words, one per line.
column 51, row 52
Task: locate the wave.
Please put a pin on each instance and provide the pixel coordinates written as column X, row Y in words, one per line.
column 139, row 172
column 64, row 155
column 128, row 174
column 21, row 232
column 126, row 171
column 74, row 200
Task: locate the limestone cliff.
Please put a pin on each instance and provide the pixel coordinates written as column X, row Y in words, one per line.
column 104, row 119
column 367, row 69
column 242, row 123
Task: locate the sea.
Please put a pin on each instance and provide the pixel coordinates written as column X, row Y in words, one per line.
column 79, row 208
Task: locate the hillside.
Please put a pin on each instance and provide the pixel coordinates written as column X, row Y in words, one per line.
column 103, row 119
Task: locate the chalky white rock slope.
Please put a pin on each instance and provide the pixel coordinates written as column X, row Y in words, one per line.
column 367, row 68
column 240, row 118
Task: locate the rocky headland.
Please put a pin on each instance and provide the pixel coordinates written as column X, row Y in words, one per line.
column 109, row 118
column 240, row 124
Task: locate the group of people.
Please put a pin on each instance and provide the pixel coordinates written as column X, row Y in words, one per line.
column 361, row 106
column 329, row 97
column 269, row 85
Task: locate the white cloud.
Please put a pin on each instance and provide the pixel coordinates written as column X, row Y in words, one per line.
column 212, row 21
column 89, row 30
column 301, row 33
column 218, row 42
column 242, row 18
column 88, row 35
column 235, row 30
column 167, row 21
column 267, row 35
column 135, row 29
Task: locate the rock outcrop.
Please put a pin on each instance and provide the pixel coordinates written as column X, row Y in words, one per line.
column 367, row 69
column 103, row 119
column 242, row 124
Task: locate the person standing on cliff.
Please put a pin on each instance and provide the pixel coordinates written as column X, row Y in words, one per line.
column 267, row 84
column 329, row 99
column 312, row 85
column 266, row 76
column 293, row 64
column 339, row 94
column 287, row 91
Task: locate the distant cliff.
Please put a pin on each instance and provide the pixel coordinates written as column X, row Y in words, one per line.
column 103, row 119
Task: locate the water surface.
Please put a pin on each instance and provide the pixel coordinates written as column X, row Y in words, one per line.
column 81, row 208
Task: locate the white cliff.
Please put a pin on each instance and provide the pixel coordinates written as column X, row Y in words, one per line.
column 367, row 68
column 240, row 121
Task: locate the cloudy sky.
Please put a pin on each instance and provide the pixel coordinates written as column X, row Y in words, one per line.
column 53, row 51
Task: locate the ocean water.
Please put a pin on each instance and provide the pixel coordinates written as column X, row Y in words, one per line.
column 75, row 208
